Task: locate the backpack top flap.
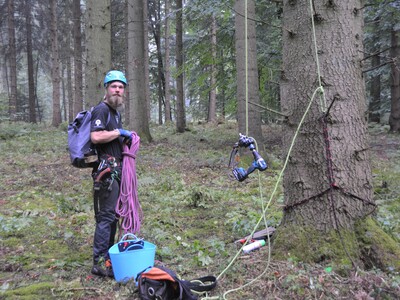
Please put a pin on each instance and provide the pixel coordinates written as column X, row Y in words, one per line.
column 156, row 273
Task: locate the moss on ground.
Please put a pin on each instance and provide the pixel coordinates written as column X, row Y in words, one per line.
column 33, row 291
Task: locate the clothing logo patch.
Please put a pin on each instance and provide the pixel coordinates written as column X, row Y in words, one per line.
column 97, row 122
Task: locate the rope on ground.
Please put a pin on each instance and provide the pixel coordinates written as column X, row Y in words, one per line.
column 128, row 207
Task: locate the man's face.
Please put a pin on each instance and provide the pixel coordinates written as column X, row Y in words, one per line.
column 115, row 94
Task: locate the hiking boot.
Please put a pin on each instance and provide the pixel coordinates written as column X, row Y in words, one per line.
column 103, row 269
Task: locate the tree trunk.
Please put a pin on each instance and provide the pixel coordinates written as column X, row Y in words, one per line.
column 212, row 106
column 155, row 21
column 375, row 88
column 222, row 95
column 12, row 58
column 39, row 110
column 70, row 93
column 55, row 64
column 167, row 66
column 146, row 85
column 180, row 97
column 64, row 104
column 77, row 99
column 98, row 48
column 160, row 65
column 328, row 181
column 394, row 119
column 31, row 82
column 138, row 117
column 249, row 117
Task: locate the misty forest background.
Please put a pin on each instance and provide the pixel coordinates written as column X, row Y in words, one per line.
column 47, row 43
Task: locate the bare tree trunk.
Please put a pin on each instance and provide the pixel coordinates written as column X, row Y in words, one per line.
column 167, row 66
column 98, row 48
column 39, row 110
column 155, row 21
column 138, row 111
column 249, row 118
column 212, row 106
column 55, row 68
column 127, row 106
column 64, row 104
column 31, row 82
column 222, row 93
column 146, row 59
column 375, row 89
column 328, row 190
column 394, row 119
column 70, row 92
column 180, row 97
column 77, row 99
column 12, row 59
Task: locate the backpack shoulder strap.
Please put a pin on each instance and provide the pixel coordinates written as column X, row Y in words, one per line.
column 202, row 284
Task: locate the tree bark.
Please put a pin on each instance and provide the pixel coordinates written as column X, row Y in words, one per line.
column 146, row 62
column 55, row 64
column 212, row 106
column 12, row 59
column 328, row 180
column 249, row 118
column 138, row 116
column 375, row 88
column 155, row 21
column 167, row 66
column 98, row 48
column 31, row 82
column 70, row 93
column 77, row 99
column 394, row 118
column 180, row 96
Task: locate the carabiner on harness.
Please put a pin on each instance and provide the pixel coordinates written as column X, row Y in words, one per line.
column 259, row 163
column 108, row 166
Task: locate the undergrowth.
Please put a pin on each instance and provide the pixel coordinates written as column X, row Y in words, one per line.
column 193, row 211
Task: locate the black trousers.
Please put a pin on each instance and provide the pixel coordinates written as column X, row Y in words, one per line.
column 105, row 201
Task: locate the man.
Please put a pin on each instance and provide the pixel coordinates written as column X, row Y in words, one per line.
column 108, row 137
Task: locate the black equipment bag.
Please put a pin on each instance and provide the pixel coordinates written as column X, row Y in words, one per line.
column 160, row 283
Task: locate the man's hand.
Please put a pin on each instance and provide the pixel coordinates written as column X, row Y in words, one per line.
column 125, row 133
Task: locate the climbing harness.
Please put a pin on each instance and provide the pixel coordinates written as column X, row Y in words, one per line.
column 108, row 167
column 128, row 207
column 259, row 163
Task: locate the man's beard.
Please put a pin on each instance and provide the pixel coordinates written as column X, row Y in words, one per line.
column 115, row 101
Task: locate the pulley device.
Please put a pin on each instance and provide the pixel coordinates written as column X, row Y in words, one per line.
column 259, row 163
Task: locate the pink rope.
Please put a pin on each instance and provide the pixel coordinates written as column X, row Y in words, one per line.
column 128, row 206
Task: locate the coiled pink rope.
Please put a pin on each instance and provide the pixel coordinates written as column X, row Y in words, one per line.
column 128, row 206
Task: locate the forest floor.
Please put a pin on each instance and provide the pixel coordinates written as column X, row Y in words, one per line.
column 193, row 212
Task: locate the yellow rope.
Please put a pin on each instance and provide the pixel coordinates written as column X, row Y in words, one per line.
column 264, row 209
column 322, row 94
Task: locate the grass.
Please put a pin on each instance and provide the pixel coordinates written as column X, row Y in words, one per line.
column 193, row 212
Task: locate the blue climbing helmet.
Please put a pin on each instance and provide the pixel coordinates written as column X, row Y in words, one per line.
column 114, row 75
